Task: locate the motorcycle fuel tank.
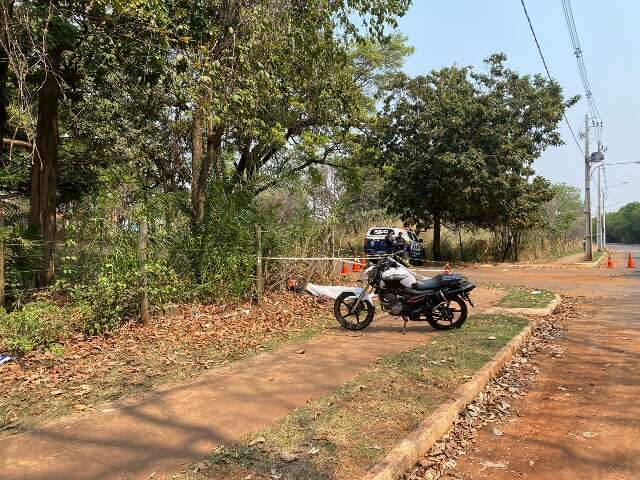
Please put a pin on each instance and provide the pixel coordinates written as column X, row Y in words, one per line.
column 397, row 277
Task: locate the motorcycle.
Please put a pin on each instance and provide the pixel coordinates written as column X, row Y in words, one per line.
column 441, row 301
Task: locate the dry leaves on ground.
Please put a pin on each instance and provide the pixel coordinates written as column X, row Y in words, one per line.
column 197, row 337
column 493, row 405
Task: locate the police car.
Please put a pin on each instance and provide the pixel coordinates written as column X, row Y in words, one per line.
column 374, row 242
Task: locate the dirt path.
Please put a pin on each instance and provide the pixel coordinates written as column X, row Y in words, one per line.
column 155, row 434
column 582, row 418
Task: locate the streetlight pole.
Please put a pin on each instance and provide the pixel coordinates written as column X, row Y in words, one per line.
column 599, row 216
column 588, row 251
column 604, row 223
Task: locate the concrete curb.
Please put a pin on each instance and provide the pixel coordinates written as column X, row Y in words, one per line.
column 542, row 312
column 408, row 451
column 595, row 264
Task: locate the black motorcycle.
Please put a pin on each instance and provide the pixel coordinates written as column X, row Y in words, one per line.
column 441, row 300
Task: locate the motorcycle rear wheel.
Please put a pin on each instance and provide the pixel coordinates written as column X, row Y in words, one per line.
column 357, row 320
column 450, row 317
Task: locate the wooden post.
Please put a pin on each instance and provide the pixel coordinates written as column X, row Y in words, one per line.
column 332, row 247
column 259, row 278
column 142, row 282
column 2, row 281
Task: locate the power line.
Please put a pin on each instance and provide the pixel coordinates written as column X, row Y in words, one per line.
column 544, row 62
column 582, row 69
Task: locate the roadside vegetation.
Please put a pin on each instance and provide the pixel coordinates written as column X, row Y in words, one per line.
column 143, row 142
column 623, row 226
column 341, row 435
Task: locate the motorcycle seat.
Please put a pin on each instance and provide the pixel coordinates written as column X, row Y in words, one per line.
column 428, row 283
column 436, row 282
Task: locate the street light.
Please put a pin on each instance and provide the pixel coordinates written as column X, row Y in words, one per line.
column 616, row 185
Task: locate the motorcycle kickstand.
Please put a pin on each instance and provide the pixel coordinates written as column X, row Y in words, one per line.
column 404, row 327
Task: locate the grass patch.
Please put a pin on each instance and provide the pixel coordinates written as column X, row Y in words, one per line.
column 341, row 435
column 521, row 297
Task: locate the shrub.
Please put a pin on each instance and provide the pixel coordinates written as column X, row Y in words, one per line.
column 39, row 325
column 113, row 296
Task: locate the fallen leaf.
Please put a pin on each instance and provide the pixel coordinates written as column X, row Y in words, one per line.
column 288, row 457
column 256, row 440
column 57, row 392
column 313, row 450
column 300, row 352
column 497, row 432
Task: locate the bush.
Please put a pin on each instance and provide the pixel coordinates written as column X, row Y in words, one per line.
column 114, row 294
column 39, row 325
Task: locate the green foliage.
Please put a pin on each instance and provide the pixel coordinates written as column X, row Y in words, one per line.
column 564, row 213
column 623, row 226
column 39, row 325
column 457, row 147
column 114, row 294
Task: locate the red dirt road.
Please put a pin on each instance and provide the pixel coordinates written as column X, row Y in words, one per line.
column 581, row 420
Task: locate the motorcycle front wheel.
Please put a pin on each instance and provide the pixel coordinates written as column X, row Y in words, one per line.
column 450, row 316
column 351, row 319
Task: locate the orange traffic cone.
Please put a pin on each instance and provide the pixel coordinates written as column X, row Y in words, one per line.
column 610, row 263
column 631, row 262
column 356, row 266
column 345, row 269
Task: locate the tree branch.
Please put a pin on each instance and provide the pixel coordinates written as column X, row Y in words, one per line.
column 17, row 143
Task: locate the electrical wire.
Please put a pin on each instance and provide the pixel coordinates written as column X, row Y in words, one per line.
column 544, row 62
column 582, row 70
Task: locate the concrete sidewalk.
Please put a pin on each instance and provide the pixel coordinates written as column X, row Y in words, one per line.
column 158, row 433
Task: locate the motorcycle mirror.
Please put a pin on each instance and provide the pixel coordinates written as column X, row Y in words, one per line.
column 419, row 240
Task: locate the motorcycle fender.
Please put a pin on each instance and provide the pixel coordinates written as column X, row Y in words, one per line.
column 368, row 296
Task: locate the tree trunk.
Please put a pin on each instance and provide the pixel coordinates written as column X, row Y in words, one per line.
column 507, row 248
column 44, row 169
column 5, row 18
column 437, row 253
column 461, row 248
column 214, row 150
column 197, row 132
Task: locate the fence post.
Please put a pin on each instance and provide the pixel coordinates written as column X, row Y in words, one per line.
column 332, row 247
column 2, row 280
column 142, row 281
column 259, row 274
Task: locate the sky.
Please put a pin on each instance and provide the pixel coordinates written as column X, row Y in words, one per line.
column 464, row 32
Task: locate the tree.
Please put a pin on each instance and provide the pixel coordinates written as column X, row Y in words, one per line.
column 458, row 146
column 425, row 135
column 266, row 75
column 623, row 226
column 564, row 213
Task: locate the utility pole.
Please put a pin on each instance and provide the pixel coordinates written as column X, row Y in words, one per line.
column 599, row 214
column 588, row 251
column 604, row 223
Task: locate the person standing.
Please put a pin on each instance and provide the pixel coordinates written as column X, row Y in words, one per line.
column 389, row 242
column 400, row 244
